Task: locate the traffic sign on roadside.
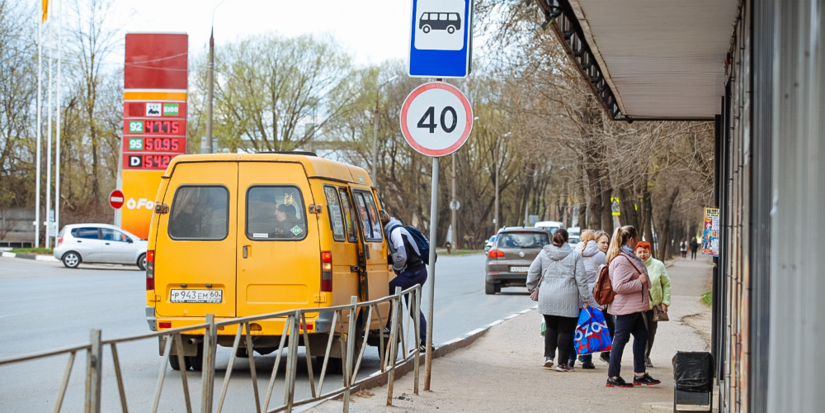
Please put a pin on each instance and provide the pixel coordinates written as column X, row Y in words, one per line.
column 116, row 199
column 441, row 38
column 436, row 119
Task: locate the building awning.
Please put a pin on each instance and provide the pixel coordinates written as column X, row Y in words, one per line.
column 649, row 59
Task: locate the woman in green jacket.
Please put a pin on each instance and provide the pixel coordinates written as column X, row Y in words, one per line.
column 659, row 292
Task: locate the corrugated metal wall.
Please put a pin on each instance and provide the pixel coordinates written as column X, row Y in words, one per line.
column 797, row 333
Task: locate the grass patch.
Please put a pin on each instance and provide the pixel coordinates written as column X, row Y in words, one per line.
column 707, row 298
column 36, row 251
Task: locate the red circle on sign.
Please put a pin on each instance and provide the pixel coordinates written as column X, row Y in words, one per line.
column 467, row 109
column 116, row 199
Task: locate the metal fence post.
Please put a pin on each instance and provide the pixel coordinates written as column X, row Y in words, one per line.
column 417, row 321
column 397, row 325
column 292, row 360
column 350, row 352
column 210, row 342
column 94, row 363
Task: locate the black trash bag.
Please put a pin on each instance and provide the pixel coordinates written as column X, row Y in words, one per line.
column 693, row 371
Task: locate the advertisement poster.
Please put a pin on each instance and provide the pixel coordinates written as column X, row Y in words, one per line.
column 710, row 234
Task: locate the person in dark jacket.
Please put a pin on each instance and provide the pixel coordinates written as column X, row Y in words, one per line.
column 410, row 268
column 694, row 246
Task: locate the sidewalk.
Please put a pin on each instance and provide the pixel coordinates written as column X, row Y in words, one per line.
column 502, row 370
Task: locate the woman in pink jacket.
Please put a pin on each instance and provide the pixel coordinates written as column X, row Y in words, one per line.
column 628, row 276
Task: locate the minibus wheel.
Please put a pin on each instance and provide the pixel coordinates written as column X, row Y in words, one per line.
column 195, row 362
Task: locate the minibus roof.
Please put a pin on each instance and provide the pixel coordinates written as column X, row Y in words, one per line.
column 314, row 166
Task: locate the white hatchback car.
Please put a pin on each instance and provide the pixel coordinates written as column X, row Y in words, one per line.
column 99, row 243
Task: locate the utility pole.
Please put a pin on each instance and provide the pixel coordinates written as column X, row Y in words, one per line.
column 211, row 86
column 454, row 212
column 374, row 171
column 498, row 150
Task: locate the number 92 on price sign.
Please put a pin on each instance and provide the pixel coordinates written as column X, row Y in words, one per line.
column 436, row 119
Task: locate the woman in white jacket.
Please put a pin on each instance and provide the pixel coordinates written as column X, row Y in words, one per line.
column 593, row 259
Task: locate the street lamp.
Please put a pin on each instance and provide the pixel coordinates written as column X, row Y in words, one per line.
column 211, row 81
column 497, row 168
column 375, row 133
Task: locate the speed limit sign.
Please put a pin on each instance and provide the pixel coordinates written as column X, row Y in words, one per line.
column 436, row 119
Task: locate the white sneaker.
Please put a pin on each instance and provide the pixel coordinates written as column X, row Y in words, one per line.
column 548, row 362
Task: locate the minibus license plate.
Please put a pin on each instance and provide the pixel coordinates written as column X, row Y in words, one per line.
column 197, row 296
column 519, row 269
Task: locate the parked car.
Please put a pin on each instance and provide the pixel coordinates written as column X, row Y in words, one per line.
column 514, row 250
column 550, row 226
column 575, row 235
column 488, row 245
column 99, row 243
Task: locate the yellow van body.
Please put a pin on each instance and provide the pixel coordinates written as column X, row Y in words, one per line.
column 218, row 245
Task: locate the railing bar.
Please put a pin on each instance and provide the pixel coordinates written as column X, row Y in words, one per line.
column 65, row 384
column 229, row 369
column 162, row 374
column 277, row 365
column 250, row 353
column 380, row 337
column 119, row 376
column 182, row 364
column 393, row 345
column 349, row 354
column 48, row 353
column 363, row 346
column 163, row 332
column 326, row 354
column 401, row 336
column 303, row 327
column 292, row 361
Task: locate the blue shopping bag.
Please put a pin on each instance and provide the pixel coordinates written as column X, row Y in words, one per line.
column 592, row 335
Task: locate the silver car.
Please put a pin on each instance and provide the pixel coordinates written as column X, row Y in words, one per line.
column 99, row 243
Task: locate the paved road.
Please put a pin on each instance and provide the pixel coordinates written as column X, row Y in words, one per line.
column 44, row 306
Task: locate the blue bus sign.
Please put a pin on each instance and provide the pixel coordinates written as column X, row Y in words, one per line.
column 441, row 38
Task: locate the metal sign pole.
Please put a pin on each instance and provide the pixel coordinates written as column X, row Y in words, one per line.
column 431, row 278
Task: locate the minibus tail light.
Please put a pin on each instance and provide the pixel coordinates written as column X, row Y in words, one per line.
column 326, row 271
column 150, row 270
column 495, row 254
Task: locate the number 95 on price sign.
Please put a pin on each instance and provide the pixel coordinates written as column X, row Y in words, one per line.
column 436, row 119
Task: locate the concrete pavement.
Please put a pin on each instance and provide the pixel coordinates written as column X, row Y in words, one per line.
column 502, row 370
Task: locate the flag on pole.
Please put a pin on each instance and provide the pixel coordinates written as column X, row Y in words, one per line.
column 45, row 10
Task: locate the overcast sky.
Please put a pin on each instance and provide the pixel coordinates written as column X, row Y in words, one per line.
column 372, row 30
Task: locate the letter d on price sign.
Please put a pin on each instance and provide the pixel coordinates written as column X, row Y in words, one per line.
column 436, row 120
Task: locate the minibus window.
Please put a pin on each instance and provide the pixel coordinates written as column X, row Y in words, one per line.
column 199, row 213
column 336, row 218
column 373, row 215
column 275, row 213
column 362, row 213
column 352, row 233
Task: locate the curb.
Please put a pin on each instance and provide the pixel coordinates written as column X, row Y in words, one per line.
column 47, row 258
column 379, row 379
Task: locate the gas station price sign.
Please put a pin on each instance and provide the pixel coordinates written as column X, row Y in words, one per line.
column 155, row 144
column 147, row 161
column 156, row 127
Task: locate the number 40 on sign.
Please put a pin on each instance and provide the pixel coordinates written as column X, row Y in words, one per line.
column 436, row 119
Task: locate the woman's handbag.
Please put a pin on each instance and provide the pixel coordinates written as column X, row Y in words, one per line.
column 534, row 293
column 659, row 315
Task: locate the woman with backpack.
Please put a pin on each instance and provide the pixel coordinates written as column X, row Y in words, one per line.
column 559, row 274
column 630, row 283
column 683, row 248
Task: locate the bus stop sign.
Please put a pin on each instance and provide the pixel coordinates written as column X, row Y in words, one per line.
column 441, row 38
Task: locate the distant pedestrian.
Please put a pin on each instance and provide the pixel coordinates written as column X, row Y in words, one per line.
column 659, row 293
column 683, row 248
column 559, row 274
column 593, row 259
column 628, row 276
column 603, row 242
column 694, row 246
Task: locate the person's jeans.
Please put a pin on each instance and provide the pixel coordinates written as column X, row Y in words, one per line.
column 652, row 326
column 693, row 254
column 406, row 280
column 625, row 326
column 559, row 333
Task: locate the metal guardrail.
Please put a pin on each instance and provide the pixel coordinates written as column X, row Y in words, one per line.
column 409, row 300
